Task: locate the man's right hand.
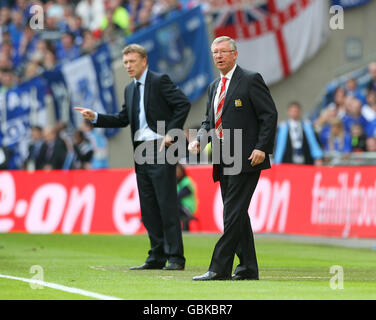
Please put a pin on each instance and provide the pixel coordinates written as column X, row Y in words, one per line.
column 87, row 114
column 194, row 147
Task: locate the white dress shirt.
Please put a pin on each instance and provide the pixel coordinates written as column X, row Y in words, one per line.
column 144, row 133
column 228, row 76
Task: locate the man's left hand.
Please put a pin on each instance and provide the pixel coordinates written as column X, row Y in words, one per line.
column 166, row 142
column 257, row 157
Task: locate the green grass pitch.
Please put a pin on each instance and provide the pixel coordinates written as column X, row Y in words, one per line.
column 100, row 264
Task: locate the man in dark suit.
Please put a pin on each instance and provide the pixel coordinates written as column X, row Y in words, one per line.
column 35, row 157
column 152, row 97
column 238, row 100
column 53, row 150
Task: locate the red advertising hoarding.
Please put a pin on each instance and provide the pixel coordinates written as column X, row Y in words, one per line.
column 289, row 199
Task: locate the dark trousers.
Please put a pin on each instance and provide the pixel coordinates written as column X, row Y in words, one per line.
column 159, row 212
column 237, row 191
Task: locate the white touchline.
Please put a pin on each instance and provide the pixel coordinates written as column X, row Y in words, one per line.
column 62, row 288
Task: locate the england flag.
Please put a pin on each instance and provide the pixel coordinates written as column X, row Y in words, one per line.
column 274, row 37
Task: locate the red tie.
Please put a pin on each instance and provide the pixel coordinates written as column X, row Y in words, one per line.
column 218, row 114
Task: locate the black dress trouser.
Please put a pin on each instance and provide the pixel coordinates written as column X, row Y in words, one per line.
column 159, row 212
column 237, row 191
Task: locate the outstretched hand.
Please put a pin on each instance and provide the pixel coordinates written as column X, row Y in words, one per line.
column 87, row 114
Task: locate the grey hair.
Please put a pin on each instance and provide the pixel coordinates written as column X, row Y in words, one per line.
column 225, row 38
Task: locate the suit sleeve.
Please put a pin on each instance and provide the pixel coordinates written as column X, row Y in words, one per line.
column 178, row 102
column 267, row 114
column 119, row 120
column 205, row 125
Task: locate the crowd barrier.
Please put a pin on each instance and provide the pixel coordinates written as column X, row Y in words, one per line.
column 289, row 199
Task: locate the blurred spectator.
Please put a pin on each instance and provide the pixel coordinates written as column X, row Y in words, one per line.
column 338, row 141
column 16, row 27
column 83, row 151
column 371, row 129
column 371, row 144
column 51, row 23
column 61, row 130
column 296, row 140
column 322, row 123
column 187, row 199
column 354, row 114
column 134, row 8
column 67, row 50
column 89, row 43
column 54, row 150
column 99, row 145
column 170, row 8
column 358, row 138
column 352, row 90
column 369, row 109
column 372, row 72
column 10, row 54
column 144, row 17
column 34, row 160
column 28, row 43
column 76, row 28
column 339, row 98
column 55, row 9
column 7, row 80
column 4, row 158
column 92, row 13
column 33, row 68
column 50, row 59
column 116, row 19
column 5, row 18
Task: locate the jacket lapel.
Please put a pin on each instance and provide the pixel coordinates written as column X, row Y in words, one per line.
column 235, row 80
column 130, row 99
column 213, row 94
column 147, row 91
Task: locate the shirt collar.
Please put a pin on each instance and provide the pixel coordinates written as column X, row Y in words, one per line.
column 294, row 122
column 142, row 78
column 229, row 74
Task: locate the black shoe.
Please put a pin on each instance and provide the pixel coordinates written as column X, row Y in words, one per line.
column 147, row 266
column 240, row 276
column 173, row 266
column 210, row 275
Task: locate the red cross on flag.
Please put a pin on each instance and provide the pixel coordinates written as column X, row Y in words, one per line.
column 274, row 37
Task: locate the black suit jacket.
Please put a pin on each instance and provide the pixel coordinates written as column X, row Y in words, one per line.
column 163, row 101
column 57, row 157
column 248, row 106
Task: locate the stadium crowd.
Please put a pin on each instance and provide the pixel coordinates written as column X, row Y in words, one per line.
column 53, row 148
column 346, row 125
column 70, row 29
column 74, row 28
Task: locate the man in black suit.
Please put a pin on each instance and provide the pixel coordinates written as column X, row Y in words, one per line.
column 238, row 100
column 35, row 157
column 152, row 97
column 53, row 150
